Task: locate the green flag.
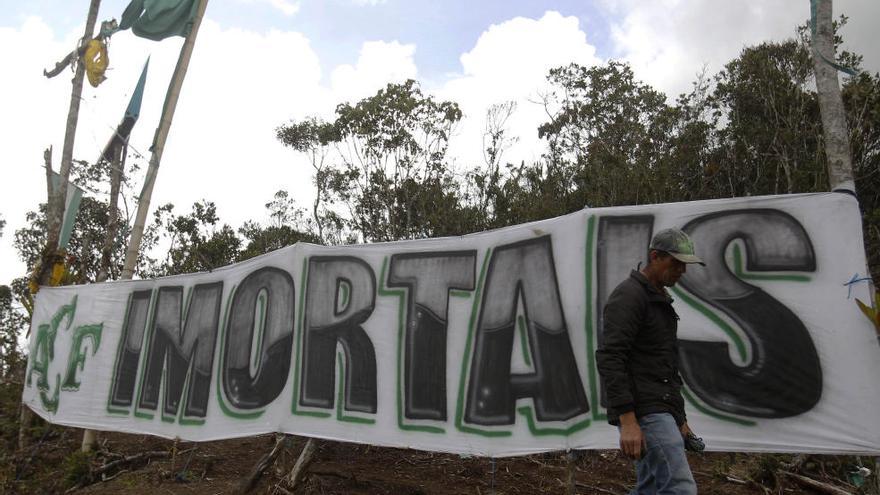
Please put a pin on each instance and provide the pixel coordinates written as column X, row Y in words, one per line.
column 123, row 130
column 71, row 208
column 159, row 19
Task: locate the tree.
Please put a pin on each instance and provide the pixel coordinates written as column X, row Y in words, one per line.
column 861, row 98
column 313, row 137
column 12, row 325
column 770, row 143
column 607, row 137
column 195, row 242
column 388, row 178
column 482, row 184
column 84, row 249
column 288, row 226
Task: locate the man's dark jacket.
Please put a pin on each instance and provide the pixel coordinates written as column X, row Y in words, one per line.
column 638, row 355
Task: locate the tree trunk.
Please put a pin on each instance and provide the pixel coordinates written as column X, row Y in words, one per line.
column 113, row 214
column 56, row 196
column 90, row 437
column 55, row 210
column 837, row 146
column 171, row 97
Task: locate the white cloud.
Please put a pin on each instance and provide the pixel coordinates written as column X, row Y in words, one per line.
column 668, row 42
column 378, row 64
column 33, row 113
column 510, row 61
column 242, row 84
column 287, row 7
column 370, row 3
column 239, row 87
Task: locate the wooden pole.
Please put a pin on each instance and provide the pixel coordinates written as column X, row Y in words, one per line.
column 137, row 231
column 112, row 228
column 90, row 437
column 56, row 196
column 56, row 203
column 171, row 97
column 837, row 146
column 570, row 468
column 302, row 462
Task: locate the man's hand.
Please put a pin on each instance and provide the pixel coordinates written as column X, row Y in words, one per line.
column 632, row 440
column 691, row 441
column 685, row 429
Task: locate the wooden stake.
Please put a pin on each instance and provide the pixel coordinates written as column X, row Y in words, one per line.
column 570, row 458
column 305, row 458
column 267, row 460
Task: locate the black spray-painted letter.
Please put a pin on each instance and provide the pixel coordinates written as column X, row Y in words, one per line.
column 341, row 295
column 129, row 354
column 263, row 303
column 784, row 376
column 182, row 342
column 523, row 271
column 428, row 278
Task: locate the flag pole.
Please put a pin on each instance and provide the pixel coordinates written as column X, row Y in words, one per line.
column 137, row 231
column 171, row 97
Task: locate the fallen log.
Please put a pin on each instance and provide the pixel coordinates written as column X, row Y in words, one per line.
column 816, row 485
column 99, row 473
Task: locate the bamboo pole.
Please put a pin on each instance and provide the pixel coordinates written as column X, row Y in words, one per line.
column 137, row 231
column 171, row 97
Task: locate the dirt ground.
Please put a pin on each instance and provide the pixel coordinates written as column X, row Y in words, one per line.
column 51, row 465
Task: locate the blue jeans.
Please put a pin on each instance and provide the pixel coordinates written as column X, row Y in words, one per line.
column 664, row 468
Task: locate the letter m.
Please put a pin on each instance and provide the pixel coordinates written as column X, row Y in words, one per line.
column 180, row 350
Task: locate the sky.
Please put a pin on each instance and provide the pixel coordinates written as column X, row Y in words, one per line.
column 260, row 63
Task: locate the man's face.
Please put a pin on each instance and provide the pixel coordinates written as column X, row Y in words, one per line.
column 669, row 269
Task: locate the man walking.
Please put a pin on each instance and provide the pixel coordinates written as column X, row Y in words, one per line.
column 638, row 362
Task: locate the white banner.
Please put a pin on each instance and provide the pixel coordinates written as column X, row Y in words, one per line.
column 482, row 344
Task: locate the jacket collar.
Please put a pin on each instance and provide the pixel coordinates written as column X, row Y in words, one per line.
column 654, row 295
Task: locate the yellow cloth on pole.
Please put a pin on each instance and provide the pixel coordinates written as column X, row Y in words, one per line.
column 96, row 61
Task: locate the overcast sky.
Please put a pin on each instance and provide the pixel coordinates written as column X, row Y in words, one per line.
column 259, row 63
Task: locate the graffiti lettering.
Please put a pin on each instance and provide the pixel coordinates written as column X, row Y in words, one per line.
column 522, row 276
column 130, row 343
column 783, row 377
column 77, row 358
column 44, row 353
column 622, row 243
column 259, row 337
column 340, row 296
column 180, row 342
column 428, row 278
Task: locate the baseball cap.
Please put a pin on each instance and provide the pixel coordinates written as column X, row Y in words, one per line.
column 676, row 243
